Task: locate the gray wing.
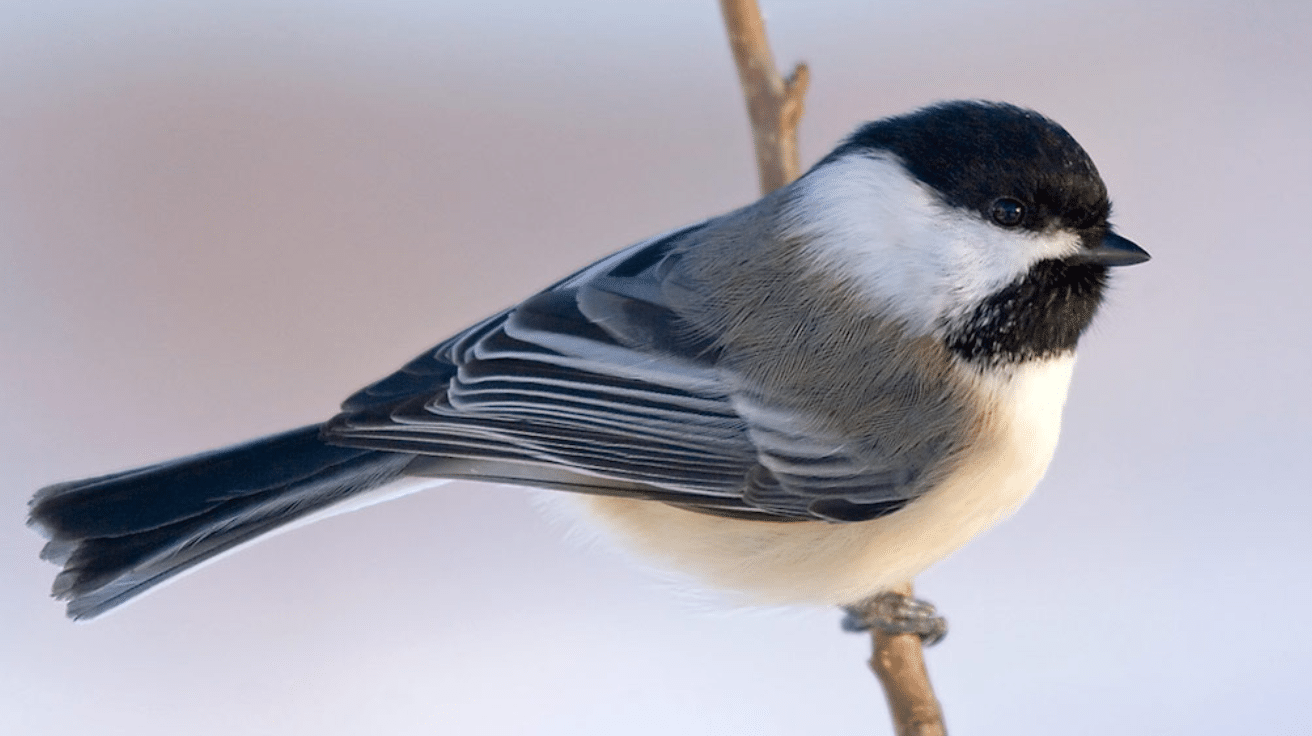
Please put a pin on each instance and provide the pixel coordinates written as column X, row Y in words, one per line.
column 598, row 385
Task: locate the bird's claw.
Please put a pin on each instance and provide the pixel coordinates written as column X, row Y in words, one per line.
column 895, row 613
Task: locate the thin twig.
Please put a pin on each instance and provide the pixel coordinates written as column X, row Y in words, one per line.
column 899, row 663
column 774, row 105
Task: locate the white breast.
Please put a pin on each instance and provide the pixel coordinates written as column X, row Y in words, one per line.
column 818, row 562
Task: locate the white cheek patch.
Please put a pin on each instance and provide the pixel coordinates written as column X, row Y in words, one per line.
column 866, row 221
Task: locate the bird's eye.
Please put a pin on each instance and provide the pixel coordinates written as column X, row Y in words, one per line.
column 1008, row 212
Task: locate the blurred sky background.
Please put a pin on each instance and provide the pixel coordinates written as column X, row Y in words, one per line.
column 220, row 217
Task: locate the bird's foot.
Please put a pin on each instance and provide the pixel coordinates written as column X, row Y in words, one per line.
column 895, row 613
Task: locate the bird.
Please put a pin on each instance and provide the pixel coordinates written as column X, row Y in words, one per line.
column 809, row 399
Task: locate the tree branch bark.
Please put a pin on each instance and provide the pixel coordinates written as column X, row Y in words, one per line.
column 899, row 663
column 774, row 106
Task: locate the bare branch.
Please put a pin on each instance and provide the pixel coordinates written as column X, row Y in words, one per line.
column 774, row 104
column 899, row 663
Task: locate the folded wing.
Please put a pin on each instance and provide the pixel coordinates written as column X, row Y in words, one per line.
column 598, row 384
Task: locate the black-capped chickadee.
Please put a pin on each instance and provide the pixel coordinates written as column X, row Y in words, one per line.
column 810, row 399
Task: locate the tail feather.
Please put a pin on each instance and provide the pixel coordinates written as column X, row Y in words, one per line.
column 119, row 535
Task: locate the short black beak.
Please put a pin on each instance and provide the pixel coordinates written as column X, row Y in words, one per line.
column 1114, row 251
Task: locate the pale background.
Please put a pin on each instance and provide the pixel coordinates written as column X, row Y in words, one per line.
column 218, row 218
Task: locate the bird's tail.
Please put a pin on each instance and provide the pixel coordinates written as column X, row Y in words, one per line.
column 119, row 535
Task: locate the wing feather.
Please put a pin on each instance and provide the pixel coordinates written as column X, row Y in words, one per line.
column 599, row 385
